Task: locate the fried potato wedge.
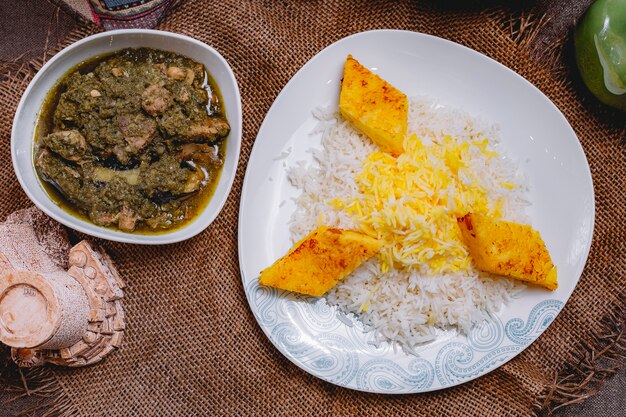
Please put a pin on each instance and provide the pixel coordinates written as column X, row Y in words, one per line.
column 319, row 261
column 509, row 249
column 374, row 106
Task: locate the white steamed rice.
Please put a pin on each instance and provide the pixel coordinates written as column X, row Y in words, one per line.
column 404, row 306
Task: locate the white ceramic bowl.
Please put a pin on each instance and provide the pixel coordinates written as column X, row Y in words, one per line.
column 26, row 117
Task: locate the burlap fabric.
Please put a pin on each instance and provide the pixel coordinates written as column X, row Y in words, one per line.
column 193, row 346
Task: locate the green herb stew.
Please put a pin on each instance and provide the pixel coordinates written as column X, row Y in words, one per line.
column 133, row 140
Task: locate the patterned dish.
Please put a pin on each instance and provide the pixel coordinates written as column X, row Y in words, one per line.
column 334, row 347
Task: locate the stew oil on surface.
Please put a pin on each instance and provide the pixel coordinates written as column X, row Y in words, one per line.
column 133, row 140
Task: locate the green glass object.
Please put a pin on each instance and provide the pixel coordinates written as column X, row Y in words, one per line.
column 600, row 44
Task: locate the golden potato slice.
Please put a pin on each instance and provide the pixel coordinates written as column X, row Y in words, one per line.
column 374, row 106
column 318, row 261
column 510, row 249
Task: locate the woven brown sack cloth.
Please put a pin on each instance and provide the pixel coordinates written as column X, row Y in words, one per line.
column 193, row 346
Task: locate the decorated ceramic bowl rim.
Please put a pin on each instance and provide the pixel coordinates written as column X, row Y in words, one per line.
column 332, row 346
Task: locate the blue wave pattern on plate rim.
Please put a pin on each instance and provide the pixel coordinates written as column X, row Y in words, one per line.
column 306, row 330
